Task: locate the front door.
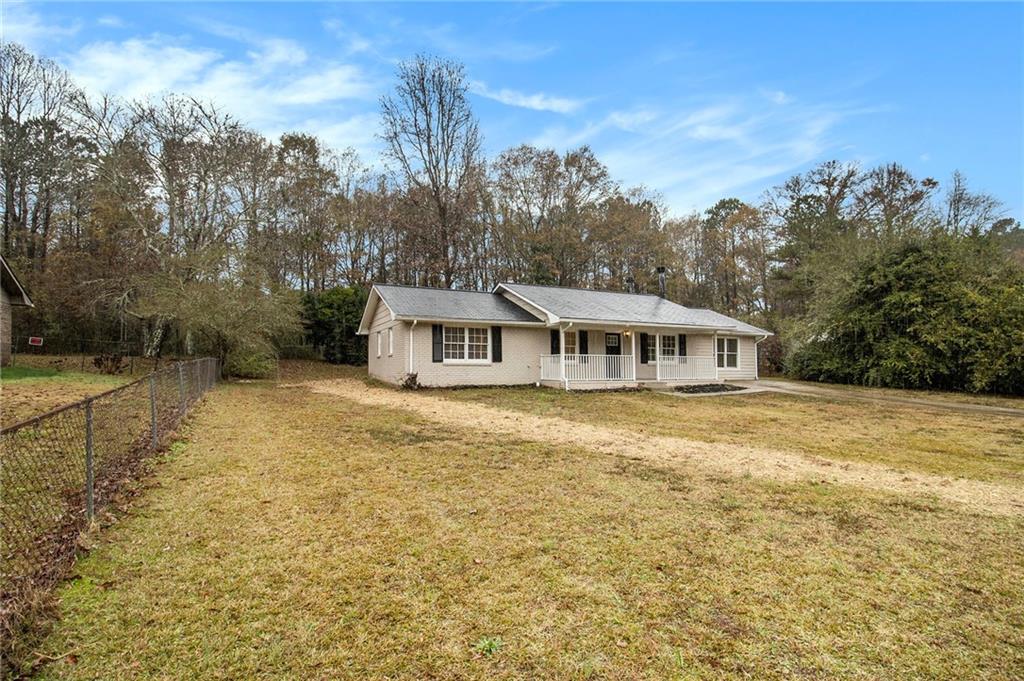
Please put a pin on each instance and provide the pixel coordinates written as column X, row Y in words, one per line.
column 613, row 348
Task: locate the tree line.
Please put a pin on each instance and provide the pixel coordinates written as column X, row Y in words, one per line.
column 173, row 221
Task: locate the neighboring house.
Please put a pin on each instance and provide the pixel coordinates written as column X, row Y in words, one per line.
column 560, row 337
column 11, row 293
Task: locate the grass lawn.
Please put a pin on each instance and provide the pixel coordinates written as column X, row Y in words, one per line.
column 30, row 391
column 978, row 446
column 296, row 535
column 938, row 395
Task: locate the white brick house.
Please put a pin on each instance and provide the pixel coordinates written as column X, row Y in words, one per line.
column 547, row 335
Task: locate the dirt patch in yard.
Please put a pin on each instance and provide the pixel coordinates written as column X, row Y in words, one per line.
column 713, row 458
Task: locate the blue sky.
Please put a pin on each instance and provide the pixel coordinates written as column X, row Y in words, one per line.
column 695, row 101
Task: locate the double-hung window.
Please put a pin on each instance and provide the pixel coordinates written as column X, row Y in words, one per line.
column 476, row 344
column 728, row 353
column 462, row 344
column 652, row 348
column 391, row 342
column 378, row 343
column 668, row 345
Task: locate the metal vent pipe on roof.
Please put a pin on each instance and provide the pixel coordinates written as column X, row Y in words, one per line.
column 661, row 281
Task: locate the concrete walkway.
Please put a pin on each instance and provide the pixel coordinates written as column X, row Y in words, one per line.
column 818, row 390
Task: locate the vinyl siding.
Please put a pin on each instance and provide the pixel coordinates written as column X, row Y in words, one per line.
column 747, row 361
column 5, row 328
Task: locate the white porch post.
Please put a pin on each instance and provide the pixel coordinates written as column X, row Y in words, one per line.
column 657, row 356
column 561, row 355
column 634, row 359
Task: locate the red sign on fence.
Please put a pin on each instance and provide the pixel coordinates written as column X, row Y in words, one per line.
column 35, row 340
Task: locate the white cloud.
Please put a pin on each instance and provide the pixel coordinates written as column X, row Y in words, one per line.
column 139, row 68
column 536, row 101
column 274, row 87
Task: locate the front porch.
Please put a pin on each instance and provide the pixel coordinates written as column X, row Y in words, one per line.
column 627, row 357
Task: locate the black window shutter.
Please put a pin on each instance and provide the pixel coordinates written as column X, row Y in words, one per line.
column 554, row 341
column 584, row 342
column 495, row 343
column 643, row 348
column 438, row 337
column 682, row 345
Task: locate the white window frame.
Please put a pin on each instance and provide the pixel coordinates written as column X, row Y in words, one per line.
column 391, row 342
column 465, row 359
column 668, row 338
column 651, row 351
column 722, row 355
column 378, row 344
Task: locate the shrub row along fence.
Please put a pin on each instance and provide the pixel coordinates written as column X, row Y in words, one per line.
column 57, row 470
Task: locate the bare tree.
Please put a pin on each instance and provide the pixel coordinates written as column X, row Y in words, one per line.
column 432, row 138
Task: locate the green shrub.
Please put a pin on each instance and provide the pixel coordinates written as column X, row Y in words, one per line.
column 250, row 364
column 932, row 312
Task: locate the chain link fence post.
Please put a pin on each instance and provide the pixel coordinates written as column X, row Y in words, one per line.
column 181, row 387
column 89, row 473
column 154, row 432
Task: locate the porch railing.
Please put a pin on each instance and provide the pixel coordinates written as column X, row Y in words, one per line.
column 585, row 368
column 687, row 368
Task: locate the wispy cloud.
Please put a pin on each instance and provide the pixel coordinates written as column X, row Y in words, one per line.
column 354, row 42
column 696, row 155
column 775, row 96
column 538, row 101
column 450, row 39
column 111, row 21
column 19, row 24
column 275, row 87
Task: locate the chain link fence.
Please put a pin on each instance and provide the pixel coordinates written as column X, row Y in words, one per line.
column 58, row 469
column 92, row 355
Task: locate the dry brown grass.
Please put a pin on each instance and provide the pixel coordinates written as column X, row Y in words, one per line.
column 939, row 442
column 306, row 536
column 27, row 392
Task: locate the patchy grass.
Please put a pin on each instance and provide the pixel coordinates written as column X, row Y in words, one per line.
column 305, row 536
column 130, row 366
column 298, row 370
column 29, row 391
column 978, row 446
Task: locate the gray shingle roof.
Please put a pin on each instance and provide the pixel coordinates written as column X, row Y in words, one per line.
column 627, row 308
column 438, row 303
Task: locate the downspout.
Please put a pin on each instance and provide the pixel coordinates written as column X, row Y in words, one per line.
column 714, row 352
column 412, row 328
column 757, row 358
